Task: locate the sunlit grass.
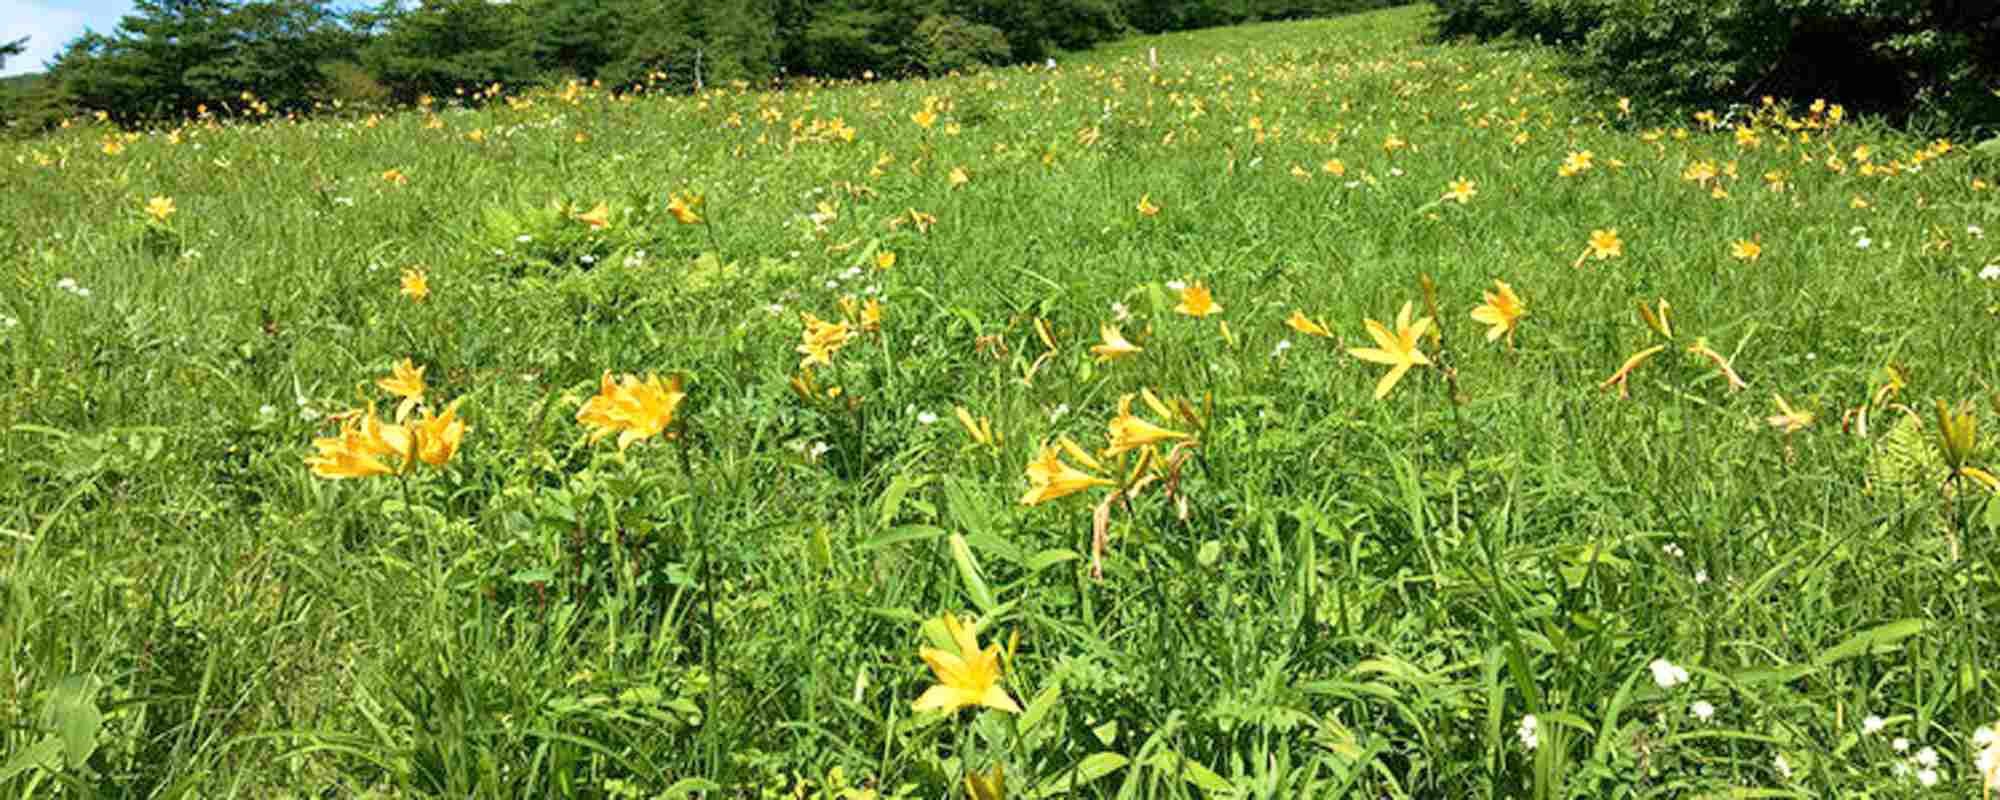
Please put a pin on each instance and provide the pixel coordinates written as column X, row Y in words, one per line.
column 1675, row 481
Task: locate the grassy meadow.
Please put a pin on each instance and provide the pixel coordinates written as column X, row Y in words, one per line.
column 1051, row 402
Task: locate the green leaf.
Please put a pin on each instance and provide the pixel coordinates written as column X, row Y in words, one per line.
column 42, row 754
column 898, row 535
column 1879, row 639
column 74, row 714
column 1039, row 708
column 1092, row 767
column 968, row 574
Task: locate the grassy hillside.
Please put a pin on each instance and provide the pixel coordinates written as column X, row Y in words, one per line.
column 1227, row 560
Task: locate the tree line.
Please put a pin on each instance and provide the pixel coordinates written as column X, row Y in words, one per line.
column 170, row 57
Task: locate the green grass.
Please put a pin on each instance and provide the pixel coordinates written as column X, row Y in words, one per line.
column 1332, row 596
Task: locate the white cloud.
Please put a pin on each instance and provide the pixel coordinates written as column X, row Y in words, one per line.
column 48, row 26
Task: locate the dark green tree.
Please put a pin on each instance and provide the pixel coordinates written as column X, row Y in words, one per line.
column 169, row 56
column 12, row 49
column 445, row 46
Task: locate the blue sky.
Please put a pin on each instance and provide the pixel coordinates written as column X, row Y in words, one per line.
column 50, row 24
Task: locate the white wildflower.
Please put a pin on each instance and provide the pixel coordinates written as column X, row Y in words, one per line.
column 1991, row 272
column 1529, row 739
column 1872, row 724
column 926, row 418
column 1702, row 710
column 1666, row 674
column 1783, row 767
column 1927, row 777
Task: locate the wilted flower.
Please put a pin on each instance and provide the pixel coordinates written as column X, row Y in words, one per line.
column 1146, row 207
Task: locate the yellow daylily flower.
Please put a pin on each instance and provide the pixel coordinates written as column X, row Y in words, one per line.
column 1197, row 302
column 969, row 677
column 437, row 436
column 348, row 454
column 635, row 409
column 1398, row 350
column 1129, row 432
column 1461, row 190
column 416, row 285
column 1501, row 312
column 1300, row 323
column 160, row 208
column 1605, row 244
column 684, row 207
column 1745, row 250
column 597, row 218
column 1049, row 477
column 1115, row 345
column 405, row 381
column 821, row 339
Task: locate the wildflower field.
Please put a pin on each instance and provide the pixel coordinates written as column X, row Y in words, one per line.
column 1299, row 410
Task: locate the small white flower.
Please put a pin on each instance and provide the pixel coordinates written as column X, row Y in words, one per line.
column 524, row 238
column 1863, row 242
column 1901, row 769
column 266, row 410
column 1672, row 550
column 1976, row 231
column 587, row 259
column 8, row 322
column 833, row 284
column 1702, row 710
column 1872, row 724
column 1283, row 345
column 1899, row 744
column 774, row 309
column 343, row 201
column 1927, row 777
column 1991, row 272
column 1784, row 767
column 1986, row 735
column 1529, row 739
column 1666, row 674
column 1395, row 172
column 1119, row 313
column 307, row 413
column 1058, row 412
column 1701, row 576
column 851, row 273
column 1927, row 757
column 926, row 418
column 1177, row 285
column 818, row 449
